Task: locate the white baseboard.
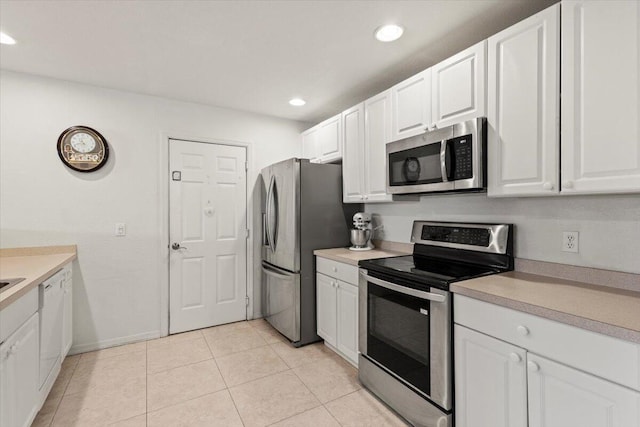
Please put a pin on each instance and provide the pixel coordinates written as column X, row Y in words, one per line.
column 83, row 348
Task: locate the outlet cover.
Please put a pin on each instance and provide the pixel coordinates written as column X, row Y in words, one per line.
column 121, row 229
column 570, row 241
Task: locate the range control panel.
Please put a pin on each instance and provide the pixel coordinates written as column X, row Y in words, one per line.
column 460, row 235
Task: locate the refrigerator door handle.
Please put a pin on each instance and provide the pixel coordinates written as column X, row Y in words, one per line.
column 276, row 272
column 270, row 237
column 265, row 235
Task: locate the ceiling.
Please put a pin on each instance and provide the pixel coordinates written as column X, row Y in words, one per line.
column 246, row 55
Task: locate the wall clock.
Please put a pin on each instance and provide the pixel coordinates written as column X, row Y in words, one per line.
column 83, row 149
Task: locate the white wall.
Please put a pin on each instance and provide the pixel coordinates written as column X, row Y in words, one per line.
column 609, row 226
column 117, row 280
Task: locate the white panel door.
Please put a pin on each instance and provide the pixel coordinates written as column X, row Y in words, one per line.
column 411, row 106
column 19, row 362
column 524, row 107
column 326, row 308
column 458, row 86
column 490, row 381
column 377, row 133
column 208, row 279
column 560, row 396
column 600, row 96
column 353, row 154
column 330, row 139
column 347, row 322
column 310, row 144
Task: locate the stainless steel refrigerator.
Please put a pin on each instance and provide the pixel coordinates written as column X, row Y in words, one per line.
column 302, row 210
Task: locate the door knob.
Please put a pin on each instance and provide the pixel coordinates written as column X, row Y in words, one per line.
column 567, row 184
column 523, row 330
column 176, row 247
column 533, row 366
column 515, row 357
column 547, row 186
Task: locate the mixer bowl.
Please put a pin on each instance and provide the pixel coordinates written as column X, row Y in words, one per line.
column 360, row 238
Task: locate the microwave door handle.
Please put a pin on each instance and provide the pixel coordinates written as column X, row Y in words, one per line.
column 402, row 289
column 445, row 161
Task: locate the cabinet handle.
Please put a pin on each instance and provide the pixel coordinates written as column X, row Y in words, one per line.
column 533, row 366
column 335, row 269
column 523, row 330
column 547, row 186
column 366, row 197
column 515, row 357
column 567, row 184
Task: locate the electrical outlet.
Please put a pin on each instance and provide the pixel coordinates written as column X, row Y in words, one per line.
column 121, row 229
column 570, row 241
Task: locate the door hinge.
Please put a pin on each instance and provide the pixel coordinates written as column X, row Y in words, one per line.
column 247, row 234
column 246, row 166
column 247, row 300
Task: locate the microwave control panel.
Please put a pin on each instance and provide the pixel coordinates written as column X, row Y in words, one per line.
column 463, row 155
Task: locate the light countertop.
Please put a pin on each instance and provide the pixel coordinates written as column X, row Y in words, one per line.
column 34, row 264
column 610, row 311
column 352, row 257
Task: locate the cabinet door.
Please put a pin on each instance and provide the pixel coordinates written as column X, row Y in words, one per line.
column 490, row 381
column 310, row 144
column 377, row 133
column 347, row 307
column 411, row 106
column 330, row 139
column 600, row 96
column 353, row 154
column 326, row 307
column 560, row 396
column 524, row 107
column 67, row 318
column 19, row 363
column 458, row 86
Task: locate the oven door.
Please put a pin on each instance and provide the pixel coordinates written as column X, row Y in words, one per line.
column 407, row 332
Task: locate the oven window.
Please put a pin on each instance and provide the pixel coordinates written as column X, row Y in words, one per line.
column 420, row 165
column 398, row 334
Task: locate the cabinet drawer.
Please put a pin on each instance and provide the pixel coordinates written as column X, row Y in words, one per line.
column 339, row 270
column 604, row 356
column 14, row 315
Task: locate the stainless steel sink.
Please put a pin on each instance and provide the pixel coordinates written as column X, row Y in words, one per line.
column 8, row 283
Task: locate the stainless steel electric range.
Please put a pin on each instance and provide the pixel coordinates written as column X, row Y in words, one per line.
column 405, row 314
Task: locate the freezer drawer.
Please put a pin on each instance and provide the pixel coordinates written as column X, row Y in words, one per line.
column 281, row 296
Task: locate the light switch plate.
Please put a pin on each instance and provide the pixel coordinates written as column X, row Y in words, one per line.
column 121, row 229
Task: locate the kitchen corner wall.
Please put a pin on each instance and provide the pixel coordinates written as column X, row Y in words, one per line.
column 117, row 280
column 609, row 226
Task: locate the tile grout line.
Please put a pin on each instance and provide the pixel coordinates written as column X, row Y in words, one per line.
column 73, row 371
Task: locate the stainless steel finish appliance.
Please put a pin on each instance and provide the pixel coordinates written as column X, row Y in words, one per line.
column 449, row 159
column 405, row 314
column 362, row 233
column 302, row 211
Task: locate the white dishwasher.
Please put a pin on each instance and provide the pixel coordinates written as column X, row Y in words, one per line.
column 51, row 298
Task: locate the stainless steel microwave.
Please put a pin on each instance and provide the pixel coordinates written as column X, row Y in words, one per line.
column 452, row 158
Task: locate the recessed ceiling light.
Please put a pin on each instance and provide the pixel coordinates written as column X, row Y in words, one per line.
column 6, row 39
column 389, row 33
column 297, row 102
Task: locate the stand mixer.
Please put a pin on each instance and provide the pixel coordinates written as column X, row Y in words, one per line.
column 362, row 232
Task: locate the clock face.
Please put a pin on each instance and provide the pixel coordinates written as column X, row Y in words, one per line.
column 83, row 149
column 83, row 142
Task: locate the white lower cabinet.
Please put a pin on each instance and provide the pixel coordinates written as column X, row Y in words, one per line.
column 509, row 384
column 19, row 361
column 560, row 396
column 490, row 381
column 337, row 307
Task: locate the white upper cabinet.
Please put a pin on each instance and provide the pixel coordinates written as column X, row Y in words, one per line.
column 310, row 144
column 600, row 96
column 458, row 87
column 330, row 139
column 411, row 106
column 353, row 154
column 377, row 132
column 524, row 106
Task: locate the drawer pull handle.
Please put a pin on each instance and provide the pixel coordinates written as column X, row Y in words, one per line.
column 533, row 366
column 335, row 269
column 523, row 330
column 515, row 357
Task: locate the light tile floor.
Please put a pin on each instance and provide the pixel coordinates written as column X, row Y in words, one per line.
column 240, row 374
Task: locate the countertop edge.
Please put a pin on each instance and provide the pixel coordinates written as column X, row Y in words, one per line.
column 376, row 254
column 38, row 250
column 26, row 286
column 547, row 313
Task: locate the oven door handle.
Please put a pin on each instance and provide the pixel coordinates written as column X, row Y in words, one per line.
column 403, row 289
